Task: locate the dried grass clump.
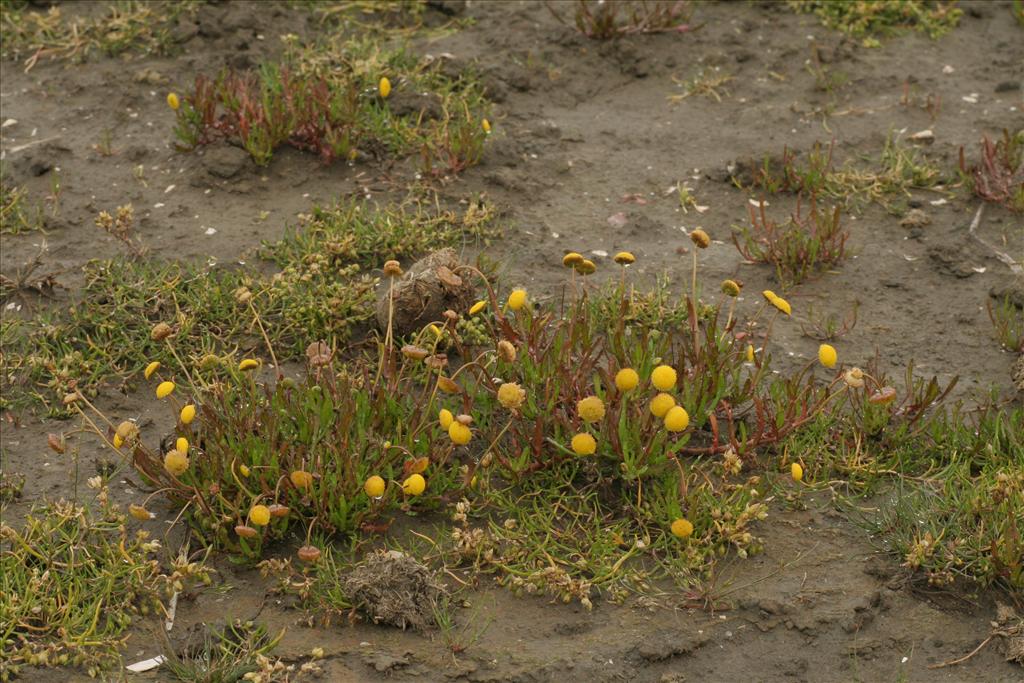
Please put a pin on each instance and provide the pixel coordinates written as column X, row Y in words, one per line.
column 391, row 587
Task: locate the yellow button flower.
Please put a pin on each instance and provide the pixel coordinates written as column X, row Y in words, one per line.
column 676, row 419
column 445, row 418
column 783, row 305
column 384, row 87
column 572, row 259
column 181, row 444
column 584, row 444
column 164, row 389
column 150, row 369
column 414, row 485
column 140, row 513
column 590, row 409
column 663, row 377
column 117, row 441
column 248, row 364
column 750, row 353
column 661, row 404
column 176, row 462
column 511, row 395
column 188, row 413
column 731, row 288
column 682, row 528
column 700, row 238
column 796, row 471
column 827, row 355
column 459, row 433
column 375, row 486
column 259, row 515
column 477, row 307
column 517, row 299
column 624, row 258
column 243, row 470
column 626, row 379
column 172, row 101
column 486, row 125
column 300, row 479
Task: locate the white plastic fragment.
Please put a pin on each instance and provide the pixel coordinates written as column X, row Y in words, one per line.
column 146, row 664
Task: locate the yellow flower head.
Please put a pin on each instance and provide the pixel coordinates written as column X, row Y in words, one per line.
column 477, row 307
column 181, row 444
column 459, row 433
column 750, row 353
column 700, row 238
column 436, row 330
column 783, row 305
column 572, row 259
column 676, row 419
column 796, row 471
column 584, row 444
column 127, row 430
column 827, row 355
column 590, row 409
column 259, row 515
column 624, row 258
column 517, row 299
column 731, row 288
column 301, row 479
column 445, row 418
column 414, row 485
column 117, row 441
column 486, row 125
column 769, row 295
column 661, row 404
column 188, row 413
column 663, row 377
column 172, row 101
column 448, row 385
column 511, row 395
column 682, row 528
column 150, row 369
column 140, row 513
column 176, row 462
column 586, row 267
column 164, row 389
column 384, row 87
column 248, row 364
column 626, row 379
column 374, row 486
column 243, row 470
column 507, row 351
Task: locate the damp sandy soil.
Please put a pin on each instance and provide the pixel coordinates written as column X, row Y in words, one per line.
column 586, row 146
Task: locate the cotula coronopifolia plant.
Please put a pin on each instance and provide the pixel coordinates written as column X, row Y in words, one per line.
column 338, row 451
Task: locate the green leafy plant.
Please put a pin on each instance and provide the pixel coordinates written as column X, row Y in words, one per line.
column 73, row 581
column 884, row 17
column 337, row 103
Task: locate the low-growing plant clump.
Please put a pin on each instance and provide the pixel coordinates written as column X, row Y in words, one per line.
column 869, row 20
column 340, row 103
column 999, row 174
column 325, row 288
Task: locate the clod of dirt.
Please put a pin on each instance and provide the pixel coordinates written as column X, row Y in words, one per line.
column 392, row 588
column 1014, row 291
column 667, row 645
column 225, row 161
column 915, row 220
column 1010, row 628
column 415, row 104
column 949, row 259
column 428, row 289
